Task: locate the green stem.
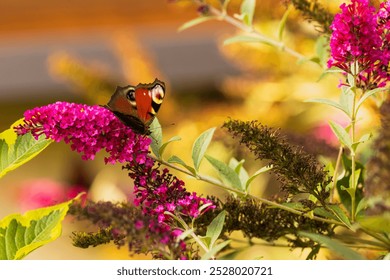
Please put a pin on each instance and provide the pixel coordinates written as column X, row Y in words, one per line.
column 336, row 171
column 353, row 156
column 222, row 16
column 242, row 193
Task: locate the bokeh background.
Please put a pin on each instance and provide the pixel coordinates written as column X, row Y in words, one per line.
column 78, row 51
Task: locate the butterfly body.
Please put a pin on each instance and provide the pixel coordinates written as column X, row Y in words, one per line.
column 136, row 106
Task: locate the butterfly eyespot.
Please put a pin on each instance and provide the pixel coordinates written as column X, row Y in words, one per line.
column 130, row 95
column 158, row 94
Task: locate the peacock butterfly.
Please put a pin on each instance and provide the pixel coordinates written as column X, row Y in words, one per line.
column 136, row 106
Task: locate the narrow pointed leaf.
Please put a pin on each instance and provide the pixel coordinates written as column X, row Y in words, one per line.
column 185, row 234
column 156, row 137
column 215, row 228
column 377, row 223
column 195, row 22
column 247, row 39
column 200, row 146
column 327, row 102
column 346, row 99
column 247, row 10
column 238, row 167
column 340, row 214
column 22, row 234
column 282, row 23
column 227, row 175
column 257, row 173
column 334, row 245
column 177, row 160
column 210, row 254
column 163, row 146
column 341, row 134
column 367, row 95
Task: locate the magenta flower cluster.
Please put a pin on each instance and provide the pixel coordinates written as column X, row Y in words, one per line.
column 158, row 192
column 360, row 41
column 88, row 129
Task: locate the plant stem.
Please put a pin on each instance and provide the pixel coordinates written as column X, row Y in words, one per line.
column 222, row 16
column 336, row 171
column 242, row 193
column 353, row 156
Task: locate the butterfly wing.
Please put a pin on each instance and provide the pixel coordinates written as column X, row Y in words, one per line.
column 137, row 106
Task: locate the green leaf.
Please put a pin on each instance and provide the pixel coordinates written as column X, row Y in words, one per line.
column 362, row 139
column 322, row 50
column 343, row 183
column 195, row 22
column 330, row 71
column 334, row 245
column 215, row 228
column 185, row 234
column 238, row 167
column 177, row 160
column 247, row 39
column 227, row 175
column 200, row 146
column 156, row 137
column 367, row 95
column 22, row 234
column 23, row 149
column 377, row 223
column 341, row 134
column 340, row 214
column 327, row 102
column 363, row 203
column 351, row 80
column 247, row 10
column 257, row 173
column 163, row 146
column 282, row 23
column 210, row 254
column 346, row 100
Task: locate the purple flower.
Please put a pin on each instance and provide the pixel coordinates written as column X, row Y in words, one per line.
column 88, row 129
column 360, row 39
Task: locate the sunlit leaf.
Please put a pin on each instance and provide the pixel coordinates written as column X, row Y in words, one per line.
column 327, row 102
column 322, row 50
column 247, row 39
column 367, row 94
column 156, row 137
column 164, row 145
column 185, row 234
column 334, row 245
column 215, row 228
column 247, row 10
column 282, row 23
column 257, row 173
column 22, row 234
column 215, row 250
column 346, row 100
column 177, row 160
column 377, row 223
column 20, row 151
column 195, row 22
column 200, row 146
column 341, row 134
column 238, row 167
column 227, row 175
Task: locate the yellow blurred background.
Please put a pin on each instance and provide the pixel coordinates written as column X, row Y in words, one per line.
column 78, row 51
